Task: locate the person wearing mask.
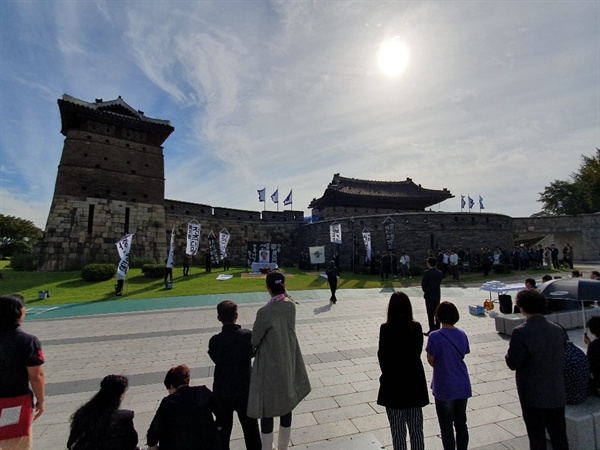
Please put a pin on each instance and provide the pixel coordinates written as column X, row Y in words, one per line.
column 450, row 383
column 100, row 424
column 279, row 381
column 21, row 372
column 536, row 353
column 399, row 356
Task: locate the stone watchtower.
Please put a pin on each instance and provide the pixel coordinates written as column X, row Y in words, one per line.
column 110, row 182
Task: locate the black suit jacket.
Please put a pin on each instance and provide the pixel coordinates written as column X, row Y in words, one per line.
column 431, row 284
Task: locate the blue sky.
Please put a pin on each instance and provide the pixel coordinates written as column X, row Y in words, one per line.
column 498, row 98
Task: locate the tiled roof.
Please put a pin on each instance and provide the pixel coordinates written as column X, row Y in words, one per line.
column 351, row 192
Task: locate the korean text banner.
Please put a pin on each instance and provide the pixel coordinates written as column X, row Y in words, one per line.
column 193, row 238
column 124, row 247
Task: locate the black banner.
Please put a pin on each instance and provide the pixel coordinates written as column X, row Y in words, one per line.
column 389, row 235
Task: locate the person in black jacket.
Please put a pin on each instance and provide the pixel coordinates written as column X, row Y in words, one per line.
column 184, row 419
column 399, row 355
column 231, row 351
column 100, row 424
column 332, row 274
column 432, row 293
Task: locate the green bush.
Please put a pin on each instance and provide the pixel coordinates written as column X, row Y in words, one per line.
column 23, row 262
column 98, row 272
column 138, row 263
column 153, row 270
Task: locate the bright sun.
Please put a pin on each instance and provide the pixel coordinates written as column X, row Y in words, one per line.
column 393, row 56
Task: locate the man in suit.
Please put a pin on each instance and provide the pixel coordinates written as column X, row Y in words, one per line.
column 432, row 292
column 536, row 352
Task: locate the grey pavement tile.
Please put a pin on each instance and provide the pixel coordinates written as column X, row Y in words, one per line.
column 514, row 426
column 357, row 397
column 487, row 434
column 330, row 391
column 323, row 432
column 487, row 400
column 347, row 378
column 370, row 422
column 316, row 405
column 367, row 385
column 320, row 365
column 345, row 412
column 486, row 415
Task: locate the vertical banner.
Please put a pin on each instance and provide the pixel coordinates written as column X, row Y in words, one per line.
column 317, row 255
column 123, row 247
column 212, row 248
column 223, row 241
column 335, row 232
column 171, row 249
column 388, row 228
column 367, row 240
column 193, row 238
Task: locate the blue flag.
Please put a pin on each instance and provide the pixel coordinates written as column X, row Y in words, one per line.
column 462, row 202
column 481, row 203
column 471, row 202
column 275, row 196
column 288, row 199
column 261, row 194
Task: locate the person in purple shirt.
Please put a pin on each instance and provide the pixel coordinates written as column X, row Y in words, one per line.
column 451, row 386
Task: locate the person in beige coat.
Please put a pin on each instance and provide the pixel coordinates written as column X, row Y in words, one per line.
column 279, row 381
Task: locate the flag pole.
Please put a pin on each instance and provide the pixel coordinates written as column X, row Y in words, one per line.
column 277, row 198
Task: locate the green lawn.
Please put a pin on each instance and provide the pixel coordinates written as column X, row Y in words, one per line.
column 68, row 287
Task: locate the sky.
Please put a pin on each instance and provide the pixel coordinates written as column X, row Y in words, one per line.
column 485, row 98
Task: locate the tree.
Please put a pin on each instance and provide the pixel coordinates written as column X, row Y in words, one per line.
column 581, row 195
column 15, row 233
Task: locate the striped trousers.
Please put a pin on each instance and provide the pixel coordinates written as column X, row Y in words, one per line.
column 400, row 420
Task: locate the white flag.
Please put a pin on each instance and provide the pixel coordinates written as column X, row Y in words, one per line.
column 223, row 241
column 335, row 233
column 171, row 249
column 288, row 199
column 123, row 247
column 193, row 238
column 275, row 196
column 317, row 255
column 367, row 240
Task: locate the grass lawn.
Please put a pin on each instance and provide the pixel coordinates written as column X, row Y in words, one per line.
column 68, row 287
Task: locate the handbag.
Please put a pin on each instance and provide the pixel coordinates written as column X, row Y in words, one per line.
column 16, row 416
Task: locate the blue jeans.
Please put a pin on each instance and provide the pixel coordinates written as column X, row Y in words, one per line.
column 452, row 415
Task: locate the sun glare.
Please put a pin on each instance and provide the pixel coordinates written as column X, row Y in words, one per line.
column 392, row 57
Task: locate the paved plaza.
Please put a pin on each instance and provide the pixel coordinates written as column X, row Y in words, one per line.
column 142, row 339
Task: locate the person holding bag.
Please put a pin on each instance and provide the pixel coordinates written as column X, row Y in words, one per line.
column 21, row 365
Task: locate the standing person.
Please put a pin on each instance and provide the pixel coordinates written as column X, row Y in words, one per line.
column 332, row 279
column 231, row 351
column 187, row 262
column 405, row 265
column 394, row 264
column 100, row 424
column 554, row 256
column 446, row 350
column 454, row 264
column 21, row 365
column 207, row 261
column 399, row 355
column 225, row 262
column 120, row 283
column 536, row 352
column 279, row 380
column 386, row 265
column 432, row 292
column 168, row 271
column 184, row 419
column 592, row 340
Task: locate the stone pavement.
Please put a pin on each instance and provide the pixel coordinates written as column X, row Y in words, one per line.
column 339, row 343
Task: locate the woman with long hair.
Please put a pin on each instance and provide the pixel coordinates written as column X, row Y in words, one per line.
column 100, row 424
column 402, row 385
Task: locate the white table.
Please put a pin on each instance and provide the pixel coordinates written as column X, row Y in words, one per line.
column 256, row 266
column 502, row 288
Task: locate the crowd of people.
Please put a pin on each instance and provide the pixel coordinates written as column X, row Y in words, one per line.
column 260, row 375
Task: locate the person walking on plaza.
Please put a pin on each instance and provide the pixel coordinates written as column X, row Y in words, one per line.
column 21, row 366
column 432, row 292
column 100, row 424
column 231, row 351
column 399, row 355
column 450, row 383
column 332, row 274
column 536, row 353
column 279, row 381
column 185, row 419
